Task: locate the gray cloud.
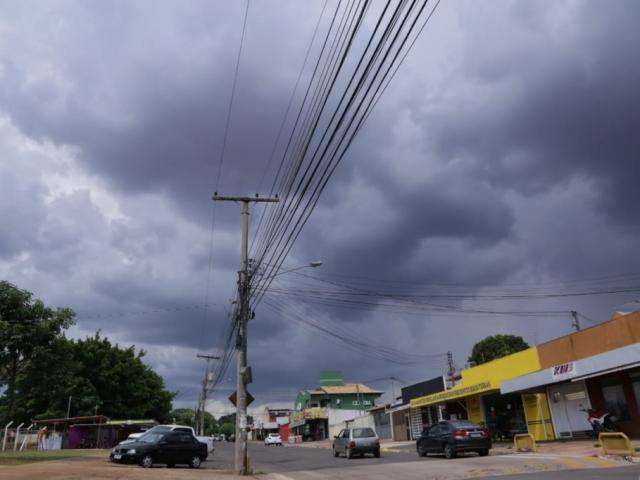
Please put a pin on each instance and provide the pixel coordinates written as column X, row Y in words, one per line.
column 504, row 152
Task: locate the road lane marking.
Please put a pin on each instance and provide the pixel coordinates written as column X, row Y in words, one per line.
column 279, row 476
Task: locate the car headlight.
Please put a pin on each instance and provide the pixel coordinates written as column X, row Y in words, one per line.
column 131, row 451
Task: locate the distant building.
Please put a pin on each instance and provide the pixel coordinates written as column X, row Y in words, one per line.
column 269, row 421
column 318, row 410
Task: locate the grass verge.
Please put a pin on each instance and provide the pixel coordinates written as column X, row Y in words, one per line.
column 19, row 458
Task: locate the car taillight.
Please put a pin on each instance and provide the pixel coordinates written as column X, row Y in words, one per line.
column 352, row 444
column 460, row 434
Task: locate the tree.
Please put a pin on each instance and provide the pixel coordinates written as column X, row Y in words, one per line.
column 496, row 346
column 126, row 386
column 186, row 416
column 27, row 326
column 40, row 368
column 99, row 376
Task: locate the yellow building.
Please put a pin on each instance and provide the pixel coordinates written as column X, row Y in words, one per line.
column 477, row 398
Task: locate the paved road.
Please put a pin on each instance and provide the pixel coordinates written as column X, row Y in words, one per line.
column 288, row 459
column 304, row 463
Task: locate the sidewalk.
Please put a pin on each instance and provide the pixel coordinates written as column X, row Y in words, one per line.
column 569, row 448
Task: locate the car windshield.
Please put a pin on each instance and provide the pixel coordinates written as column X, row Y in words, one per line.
column 463, row 424
column 152, row 437
column 363, row 433
column 158, row 429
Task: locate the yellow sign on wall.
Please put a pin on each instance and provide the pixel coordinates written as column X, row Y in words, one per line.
column 452, row 394
column 504, row 368
column 485, row 377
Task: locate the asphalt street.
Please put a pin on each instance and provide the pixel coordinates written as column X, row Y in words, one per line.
column 297, row 463
column 286, row 459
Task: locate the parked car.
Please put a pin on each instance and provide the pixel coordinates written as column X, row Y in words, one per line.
column 157, row 429
column 170, row 448
column 356, row 441
column 208, row 441
column 273, row 439
column 452, row 437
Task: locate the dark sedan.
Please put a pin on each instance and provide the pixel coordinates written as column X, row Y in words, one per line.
column 170, row 448
column 452, row 437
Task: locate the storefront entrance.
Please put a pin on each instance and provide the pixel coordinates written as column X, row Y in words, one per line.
column 569, row 403
column 504, row 415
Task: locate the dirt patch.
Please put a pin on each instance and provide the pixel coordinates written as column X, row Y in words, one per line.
column 99, row 468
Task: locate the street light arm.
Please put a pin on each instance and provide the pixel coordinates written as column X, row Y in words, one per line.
column 314, row 264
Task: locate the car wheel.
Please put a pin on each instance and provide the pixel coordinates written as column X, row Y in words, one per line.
column 335, row 452
column 421, row 452
column 484, row 452
column 195, row 462
column 449, row 452
column 146, row 461
column 377, row 453
column 171, row 465
column 349, row 454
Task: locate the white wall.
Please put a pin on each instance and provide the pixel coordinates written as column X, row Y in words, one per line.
column 355, row 418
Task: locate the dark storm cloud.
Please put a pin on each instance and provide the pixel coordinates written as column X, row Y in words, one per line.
column 572, row 113
column 150, row 111
column 506, row 150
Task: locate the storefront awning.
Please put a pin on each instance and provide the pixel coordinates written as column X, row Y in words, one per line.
column 619, row 358
column 607, row 371
column 455, row 393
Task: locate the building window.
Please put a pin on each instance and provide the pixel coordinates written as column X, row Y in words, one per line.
column 614, row 400
column 356, row 402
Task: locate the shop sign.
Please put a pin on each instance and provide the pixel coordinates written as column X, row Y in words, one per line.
column 576, row 396
column 315, row 412
column 452, row 394
column 296, row 423
column 563, row 372
column 308, row 414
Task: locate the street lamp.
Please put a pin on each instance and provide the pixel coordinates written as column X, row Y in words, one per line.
column 314, row 264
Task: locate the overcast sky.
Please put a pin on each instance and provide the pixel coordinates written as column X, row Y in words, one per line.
column 505, row 155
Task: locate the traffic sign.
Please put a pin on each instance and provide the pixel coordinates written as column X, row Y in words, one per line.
column 233, row 397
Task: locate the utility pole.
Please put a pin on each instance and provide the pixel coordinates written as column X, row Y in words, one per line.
column 242, row 317
column 576, row 321
column 451, row 372
column 202, row 399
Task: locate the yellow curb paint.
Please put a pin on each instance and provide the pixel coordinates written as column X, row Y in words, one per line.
column 571, row 463
column 602, row 462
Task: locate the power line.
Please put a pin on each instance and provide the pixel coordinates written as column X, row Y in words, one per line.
column 294, row 215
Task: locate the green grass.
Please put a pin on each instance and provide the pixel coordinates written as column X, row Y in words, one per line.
column 19, row 458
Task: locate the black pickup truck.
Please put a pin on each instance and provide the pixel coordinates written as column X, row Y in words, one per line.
column 169, row 448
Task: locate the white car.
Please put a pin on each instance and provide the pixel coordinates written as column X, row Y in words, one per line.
column 273, row 439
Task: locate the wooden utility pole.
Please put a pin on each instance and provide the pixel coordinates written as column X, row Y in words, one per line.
column 242, row 317
column 202, row 399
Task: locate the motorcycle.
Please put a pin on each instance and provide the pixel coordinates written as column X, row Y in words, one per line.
column 601, row 422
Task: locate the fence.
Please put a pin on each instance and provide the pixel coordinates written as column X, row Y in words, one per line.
column 18, row 438
column 23, row 438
